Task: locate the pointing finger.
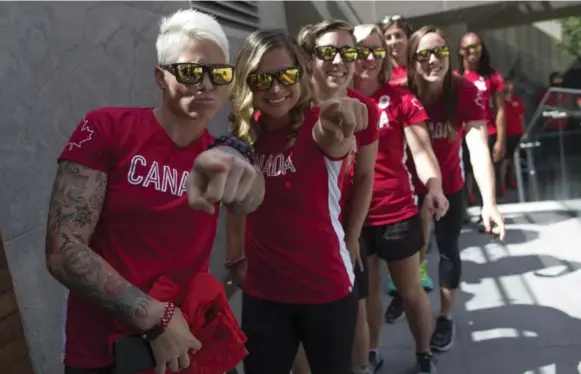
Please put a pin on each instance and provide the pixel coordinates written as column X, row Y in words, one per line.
column 196, row 184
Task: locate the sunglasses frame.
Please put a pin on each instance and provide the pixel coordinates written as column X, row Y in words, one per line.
column 476, row 47
column 371, row 51
column 339, row 50
column 275, row 75
column 387, row 19
column 206, row 70
column 432, row 51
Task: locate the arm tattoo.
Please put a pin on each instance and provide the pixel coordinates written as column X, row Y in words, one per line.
column 76, row 201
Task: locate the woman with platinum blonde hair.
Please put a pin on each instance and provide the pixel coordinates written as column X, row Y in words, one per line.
column 393, row 230
column 119, row 215
column 289, row 256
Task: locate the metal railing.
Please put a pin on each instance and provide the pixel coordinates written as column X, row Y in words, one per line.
column 537, row 137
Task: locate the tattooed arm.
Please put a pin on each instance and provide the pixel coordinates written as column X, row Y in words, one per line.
column 76, row 201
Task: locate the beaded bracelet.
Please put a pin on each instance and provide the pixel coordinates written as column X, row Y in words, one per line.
column 235, row 143
column 230, row 264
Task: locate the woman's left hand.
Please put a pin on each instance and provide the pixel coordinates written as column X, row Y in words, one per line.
column 437, row 203
column 492, row 221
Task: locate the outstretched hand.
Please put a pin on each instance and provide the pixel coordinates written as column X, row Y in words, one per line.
column 343, row 117
column 219, row 176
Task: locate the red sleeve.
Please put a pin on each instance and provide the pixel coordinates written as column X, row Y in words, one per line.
column 471, row 103
column 89, row 145
column 370, row 134
column 521, row 106
column 413, row 111
column 497, row 82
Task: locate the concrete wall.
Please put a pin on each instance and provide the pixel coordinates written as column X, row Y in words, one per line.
column 58, row 61
column 531, row 51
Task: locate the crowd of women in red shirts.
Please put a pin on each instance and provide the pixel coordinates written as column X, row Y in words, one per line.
column 355, row 135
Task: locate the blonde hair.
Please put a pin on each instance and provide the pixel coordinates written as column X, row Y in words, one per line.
column 181, row 27
column 246, row 62
column 361, row 33
column 309, row 34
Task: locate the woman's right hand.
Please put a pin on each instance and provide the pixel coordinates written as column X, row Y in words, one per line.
column 172, row 348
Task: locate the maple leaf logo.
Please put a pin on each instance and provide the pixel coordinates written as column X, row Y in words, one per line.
column 87, row 130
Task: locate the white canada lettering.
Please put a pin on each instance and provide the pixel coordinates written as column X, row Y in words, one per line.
column 275, row 165
column 162, row 178
column 438, row 130
column 383, row 120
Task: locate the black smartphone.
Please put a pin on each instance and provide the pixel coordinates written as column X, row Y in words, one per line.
column 132, row 354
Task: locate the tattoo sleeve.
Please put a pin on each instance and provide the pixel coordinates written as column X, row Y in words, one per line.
column 76, row 201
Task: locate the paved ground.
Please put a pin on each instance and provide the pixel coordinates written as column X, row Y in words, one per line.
column 519, row 308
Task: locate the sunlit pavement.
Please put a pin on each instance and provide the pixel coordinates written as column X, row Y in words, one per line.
column 519, row 306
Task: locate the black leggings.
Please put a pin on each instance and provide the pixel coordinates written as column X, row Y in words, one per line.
column 274, row 331
column 447, row 231
column 104, row 370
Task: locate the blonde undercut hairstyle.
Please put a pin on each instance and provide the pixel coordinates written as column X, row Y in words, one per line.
column 185, row 25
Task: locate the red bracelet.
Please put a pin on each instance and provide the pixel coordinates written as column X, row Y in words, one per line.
column 168, row 312
column 230, row 264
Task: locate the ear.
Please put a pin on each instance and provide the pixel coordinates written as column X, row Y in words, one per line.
column 159, row 75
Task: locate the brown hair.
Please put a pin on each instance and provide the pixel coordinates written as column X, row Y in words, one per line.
column 364, row 31
column 418, row 86
column 309, row 34
column 247, row 61
column 399, row 23
column 307, row 40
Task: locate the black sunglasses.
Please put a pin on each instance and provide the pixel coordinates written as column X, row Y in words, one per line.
column 328, row 53
column 425, row 54
column 378, row 53
column 193, row 73
column 264, row 81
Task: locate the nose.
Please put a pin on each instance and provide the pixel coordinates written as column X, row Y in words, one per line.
column 432, row 58
column 337, row 59
column 371, row 57
column 205, row 84
column 276, row 87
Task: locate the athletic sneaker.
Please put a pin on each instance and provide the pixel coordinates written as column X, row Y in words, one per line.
column 390, row 288
column 425, row 363
column 375, row 361
column 443, row 336
column 427, row 283
column 394, row 312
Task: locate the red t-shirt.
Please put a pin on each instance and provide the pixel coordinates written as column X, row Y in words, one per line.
column 513, row 109
column 399, row 76
column 559, row 100
column 448, row 150
column 393, row 196
column 294, row 240
column 362, row 138
column 488, row 87
column 146, row 228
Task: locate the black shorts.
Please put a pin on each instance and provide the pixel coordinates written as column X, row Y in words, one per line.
column 395, row 241
column 511, row 144
column 274, row 331
column 362, row 276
